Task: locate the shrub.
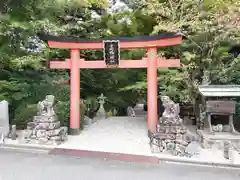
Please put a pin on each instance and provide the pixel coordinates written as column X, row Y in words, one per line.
column 91, row 106
column 24, row 114
column 63, row 112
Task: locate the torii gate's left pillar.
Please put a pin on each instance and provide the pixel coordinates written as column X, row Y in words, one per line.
column 74, row 92
column 152, row 92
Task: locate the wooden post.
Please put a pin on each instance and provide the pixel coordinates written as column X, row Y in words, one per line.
column 74, row 92
column 152, row 85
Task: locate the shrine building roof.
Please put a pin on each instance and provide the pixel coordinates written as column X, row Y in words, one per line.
column 161, row 40
column 220, row 90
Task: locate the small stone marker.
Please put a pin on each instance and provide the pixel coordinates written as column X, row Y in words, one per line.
column 226, row 149
column 4, row 118
column 13, row 133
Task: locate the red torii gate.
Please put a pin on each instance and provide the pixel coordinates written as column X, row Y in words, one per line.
column 151, row 62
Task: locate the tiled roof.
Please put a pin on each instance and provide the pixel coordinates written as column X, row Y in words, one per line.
column 220, row 90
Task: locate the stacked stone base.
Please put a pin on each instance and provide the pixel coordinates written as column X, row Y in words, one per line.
column 171, row 137
column 217, row 139
column 45, row 130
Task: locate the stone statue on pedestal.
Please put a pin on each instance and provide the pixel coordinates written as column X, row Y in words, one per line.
column 171, row 136
column 45, row 127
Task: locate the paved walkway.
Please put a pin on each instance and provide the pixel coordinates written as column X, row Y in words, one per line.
column 127, row 135
column 116, row 134
column 21, row 166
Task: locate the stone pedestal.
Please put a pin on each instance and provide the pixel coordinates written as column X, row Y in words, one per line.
column 101, row 113
column 45, row 130
column 174, row 136
column 217, row 139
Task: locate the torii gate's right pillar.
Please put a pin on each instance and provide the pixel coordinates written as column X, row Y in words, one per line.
column 152, row 85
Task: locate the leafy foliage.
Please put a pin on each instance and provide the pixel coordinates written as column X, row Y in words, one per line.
column 211, row 28
column 24, row 78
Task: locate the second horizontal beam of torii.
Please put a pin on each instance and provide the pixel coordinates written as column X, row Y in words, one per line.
column 100, row 64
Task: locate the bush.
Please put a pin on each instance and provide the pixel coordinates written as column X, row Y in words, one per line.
column 63, row 112
column 24, row 114
column 82, row 115
column 91, row 106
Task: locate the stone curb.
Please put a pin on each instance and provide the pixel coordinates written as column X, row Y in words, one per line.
column 136, row 158
column 191, row 162
column 98, row 154
column 22, row 148
column 105, row 155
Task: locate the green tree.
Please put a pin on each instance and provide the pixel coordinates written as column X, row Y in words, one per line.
column 210, row 28
column 24, row 78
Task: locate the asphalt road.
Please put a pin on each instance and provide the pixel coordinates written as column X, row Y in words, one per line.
column 28, row 166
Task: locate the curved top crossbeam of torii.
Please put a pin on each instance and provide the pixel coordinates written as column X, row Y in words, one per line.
column 159, row 41
column 154, row 41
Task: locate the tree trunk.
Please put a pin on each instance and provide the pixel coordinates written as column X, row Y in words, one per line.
column 196, row 103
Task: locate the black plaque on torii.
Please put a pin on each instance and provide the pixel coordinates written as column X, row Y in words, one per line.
column 111, row 53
